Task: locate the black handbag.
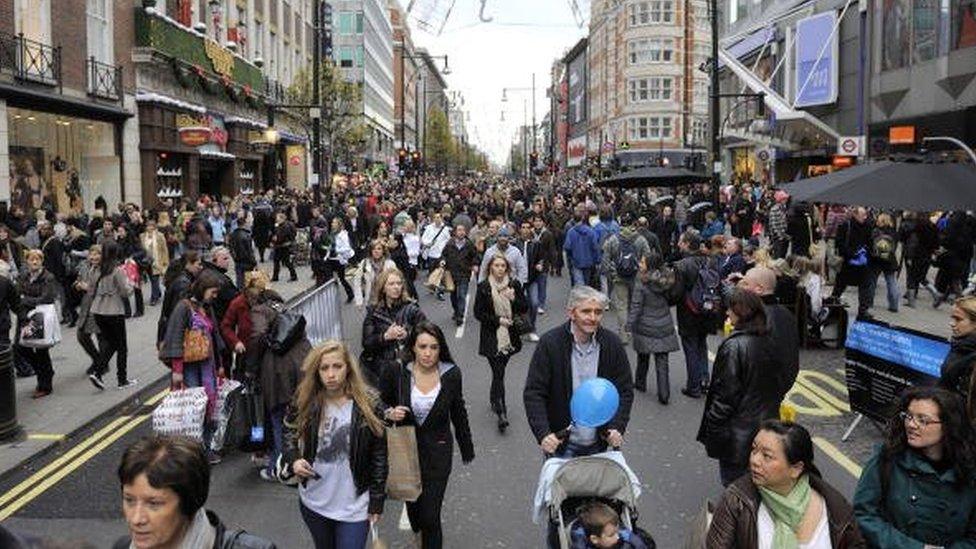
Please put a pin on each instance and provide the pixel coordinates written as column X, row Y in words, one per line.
column 287, row 330
column 246, row 429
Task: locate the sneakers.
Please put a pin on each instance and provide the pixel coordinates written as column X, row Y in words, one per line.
column 259, row 461
column 213, row 457
column 127, row 384
column 533, row 337
column 540, row 311
column 96, row 380
column 267, row 476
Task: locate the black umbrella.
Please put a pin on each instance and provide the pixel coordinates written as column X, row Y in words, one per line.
column 915, row 186
column 654, row 176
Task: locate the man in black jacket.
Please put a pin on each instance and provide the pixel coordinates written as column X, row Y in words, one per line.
column 853, row 242
column 693, row 328
column 460, row 259
column 565, row 357
column 282, row 240
column 177, row 288
column 781, row 324
column 241, row 245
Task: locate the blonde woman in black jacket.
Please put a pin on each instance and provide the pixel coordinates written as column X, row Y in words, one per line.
column 334, row 444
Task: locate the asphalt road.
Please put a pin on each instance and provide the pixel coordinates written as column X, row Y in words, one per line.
column 488, row 503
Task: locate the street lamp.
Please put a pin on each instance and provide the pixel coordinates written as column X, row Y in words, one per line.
column 532, row 91
column 403, row 102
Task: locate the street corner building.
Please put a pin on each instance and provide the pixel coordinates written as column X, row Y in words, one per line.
column 143, row 100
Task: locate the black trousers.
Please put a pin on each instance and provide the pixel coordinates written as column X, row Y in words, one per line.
column 334, row 268
column 854, row 276
column 425, row 513
column 87, row 342
column 497, row 392
column 916, row 271
column 140, row 302
column 283, row 256
column 112, row 341
column 40, row 361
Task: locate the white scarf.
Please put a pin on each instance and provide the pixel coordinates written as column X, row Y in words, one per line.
column 503, row 309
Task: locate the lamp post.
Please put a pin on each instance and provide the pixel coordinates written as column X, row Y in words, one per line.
column 403, row 84
column 532, row 91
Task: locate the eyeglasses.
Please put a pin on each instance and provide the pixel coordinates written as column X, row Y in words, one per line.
column 921, row 421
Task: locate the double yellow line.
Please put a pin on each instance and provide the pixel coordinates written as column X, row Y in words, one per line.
column 41, row 481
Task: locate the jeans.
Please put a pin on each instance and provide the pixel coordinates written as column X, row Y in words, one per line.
column 696, row 361
column 729, row 472
column 584, row 276
column 425, row 513
column 239, row 274
column 334, row 268
column 87, row 342
column 332, row 534
column 855, row 276
column 202, row 374
column 277, row 416
column 112, row 341
column 620, row 293
column 458, row 295
column 154, row 293
column 891, row 283
column 283, row 256
column 537, row 297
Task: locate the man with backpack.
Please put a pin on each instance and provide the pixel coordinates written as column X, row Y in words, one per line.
column 622, row 256
column 699, row 308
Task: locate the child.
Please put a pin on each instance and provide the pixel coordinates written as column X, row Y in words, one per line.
column 598, row 526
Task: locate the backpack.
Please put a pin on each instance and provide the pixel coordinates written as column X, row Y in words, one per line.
column 705, row 297
column 627, row 261
column 883, row 247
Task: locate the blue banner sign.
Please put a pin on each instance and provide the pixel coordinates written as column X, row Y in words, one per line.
column 817, row 58
column 920, row 353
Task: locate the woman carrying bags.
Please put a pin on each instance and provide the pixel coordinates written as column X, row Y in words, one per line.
column 193, row 347
column 112, row 291
column 37, row 287
column 334, row 444
column 427, row 393
column 499, row 305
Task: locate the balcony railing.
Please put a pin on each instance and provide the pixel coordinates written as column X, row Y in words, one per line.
column 104, row 81
column 30, row 60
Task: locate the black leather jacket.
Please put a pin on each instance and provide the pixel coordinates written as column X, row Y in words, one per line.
column 744, row 391
column 367, row 452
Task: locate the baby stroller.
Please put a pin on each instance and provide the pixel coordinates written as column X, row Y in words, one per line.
column 571, row 483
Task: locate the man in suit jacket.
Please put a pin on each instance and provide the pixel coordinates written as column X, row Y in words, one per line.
column 565, row 357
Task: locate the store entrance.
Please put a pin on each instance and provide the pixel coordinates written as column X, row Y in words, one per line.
column 216, row 178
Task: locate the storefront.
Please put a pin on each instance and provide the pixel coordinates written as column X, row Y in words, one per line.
column 61, row 162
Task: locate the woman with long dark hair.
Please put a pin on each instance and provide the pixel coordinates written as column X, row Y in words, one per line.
column 426, row 392
column 499, row 302
column 918, row 488
column 334, row 444
column 784, row 501
column 111, row 289
column 743, row 391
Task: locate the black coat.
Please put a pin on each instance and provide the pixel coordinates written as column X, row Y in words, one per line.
column 851, row 237
column 379, row 353
column 178, row 290
column 226, row 293
column 957, row 368
column 367, row 452
column 689, row 323
column 459, row 261
column 784, row 333
column 484, row 311
column 284, row 235
column 241, row 246
column 9, row 303
column 434, row 444
column 743, row 392
column 549, row 382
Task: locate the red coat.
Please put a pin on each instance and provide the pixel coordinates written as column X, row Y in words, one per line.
column 236, row 325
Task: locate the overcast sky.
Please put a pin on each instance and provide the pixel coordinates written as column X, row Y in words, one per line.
column 525, row 36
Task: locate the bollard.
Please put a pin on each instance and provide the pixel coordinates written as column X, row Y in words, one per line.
column 9, row 428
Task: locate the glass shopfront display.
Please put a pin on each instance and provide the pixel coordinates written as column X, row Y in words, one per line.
column 61, row 162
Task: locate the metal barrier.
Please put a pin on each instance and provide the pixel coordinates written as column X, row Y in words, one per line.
column 321, row 308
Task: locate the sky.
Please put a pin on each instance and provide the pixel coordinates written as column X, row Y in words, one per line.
column 524, row 36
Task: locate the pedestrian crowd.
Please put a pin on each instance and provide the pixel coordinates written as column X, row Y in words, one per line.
column 752, row 269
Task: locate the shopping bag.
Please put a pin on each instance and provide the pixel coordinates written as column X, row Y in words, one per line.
column 247, row 430
column 131, row 270
column 403, row 479
column 435, row 278
column 375, row 541
column 228, row 404
column 181, row 413
column 698, row 532
column 448, row 281
column 42, row 329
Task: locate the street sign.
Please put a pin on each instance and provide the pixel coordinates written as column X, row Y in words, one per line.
column 851, row 145
column 763, row 155
column 817, row 58
column 901, row 135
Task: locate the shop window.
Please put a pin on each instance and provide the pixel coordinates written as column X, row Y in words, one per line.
column 963, row 23
column 896, row 19
column 925, row 24
column 60, row 161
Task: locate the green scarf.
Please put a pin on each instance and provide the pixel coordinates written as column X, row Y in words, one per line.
column 787, row 512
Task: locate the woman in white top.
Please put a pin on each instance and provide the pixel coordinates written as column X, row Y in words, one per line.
column 784, row 502
column 339, row 255
column 334, row 444
column 375, row 263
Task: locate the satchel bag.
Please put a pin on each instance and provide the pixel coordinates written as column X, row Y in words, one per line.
column 181, row 413
column 196, row 345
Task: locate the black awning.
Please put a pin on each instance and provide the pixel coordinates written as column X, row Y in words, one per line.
column 33, row 99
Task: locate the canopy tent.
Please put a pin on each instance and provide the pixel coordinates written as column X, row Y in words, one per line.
column 898, row 185
column 654, row 176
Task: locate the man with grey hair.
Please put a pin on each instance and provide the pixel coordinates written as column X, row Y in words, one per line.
column 566, row 356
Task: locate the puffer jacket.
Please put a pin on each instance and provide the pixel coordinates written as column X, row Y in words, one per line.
column 367, row 452
column 744, row 391
column 649, row 317
column 734, row 522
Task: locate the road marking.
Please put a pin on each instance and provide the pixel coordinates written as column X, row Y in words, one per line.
column 404, row 522
column 464, row 321
column 847, row 463
column 50, row 481
column 53, row 467
column 45, row 436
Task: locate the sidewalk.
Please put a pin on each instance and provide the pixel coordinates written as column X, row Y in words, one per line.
column 923, row 317
column 75, row 403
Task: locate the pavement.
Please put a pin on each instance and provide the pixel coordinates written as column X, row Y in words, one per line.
column 73, row 491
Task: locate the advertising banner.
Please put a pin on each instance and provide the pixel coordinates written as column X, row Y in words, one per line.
column 881, row 360
column 817, row 59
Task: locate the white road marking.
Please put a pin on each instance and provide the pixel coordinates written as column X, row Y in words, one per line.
column 404, row 523
column 473, row 283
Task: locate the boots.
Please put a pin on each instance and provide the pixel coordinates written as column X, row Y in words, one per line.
column 502, row 412
column 936, row 296
column 663, row 383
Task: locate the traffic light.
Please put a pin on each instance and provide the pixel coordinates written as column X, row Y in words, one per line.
column 402, row 159
column 327, row 42
column 533, row 160
column 326, row 15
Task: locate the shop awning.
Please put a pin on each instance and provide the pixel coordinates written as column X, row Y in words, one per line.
column 31, row 99
column 795, row 125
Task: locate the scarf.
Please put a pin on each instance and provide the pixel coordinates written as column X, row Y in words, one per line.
column 787, row 512
column 200, row 534
column 503, row 309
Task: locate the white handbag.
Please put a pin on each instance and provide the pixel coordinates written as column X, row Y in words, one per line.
column 42, row 330
column 181, row 413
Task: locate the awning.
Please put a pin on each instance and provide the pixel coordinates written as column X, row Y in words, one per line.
column 33, row 99
column 794, row 125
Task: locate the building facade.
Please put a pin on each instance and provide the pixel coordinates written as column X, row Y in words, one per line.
column 67, row 112
column 405, row 81
column 645, row 94
column 363, row 51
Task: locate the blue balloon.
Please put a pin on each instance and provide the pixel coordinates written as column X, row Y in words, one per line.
column 594, row 403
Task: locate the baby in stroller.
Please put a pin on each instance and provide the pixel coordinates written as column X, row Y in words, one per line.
column 597, row 526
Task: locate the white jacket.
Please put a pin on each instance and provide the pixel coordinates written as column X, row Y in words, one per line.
column 412, row 243
column 343, row 248
column 362, row 280
column 434, row 240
